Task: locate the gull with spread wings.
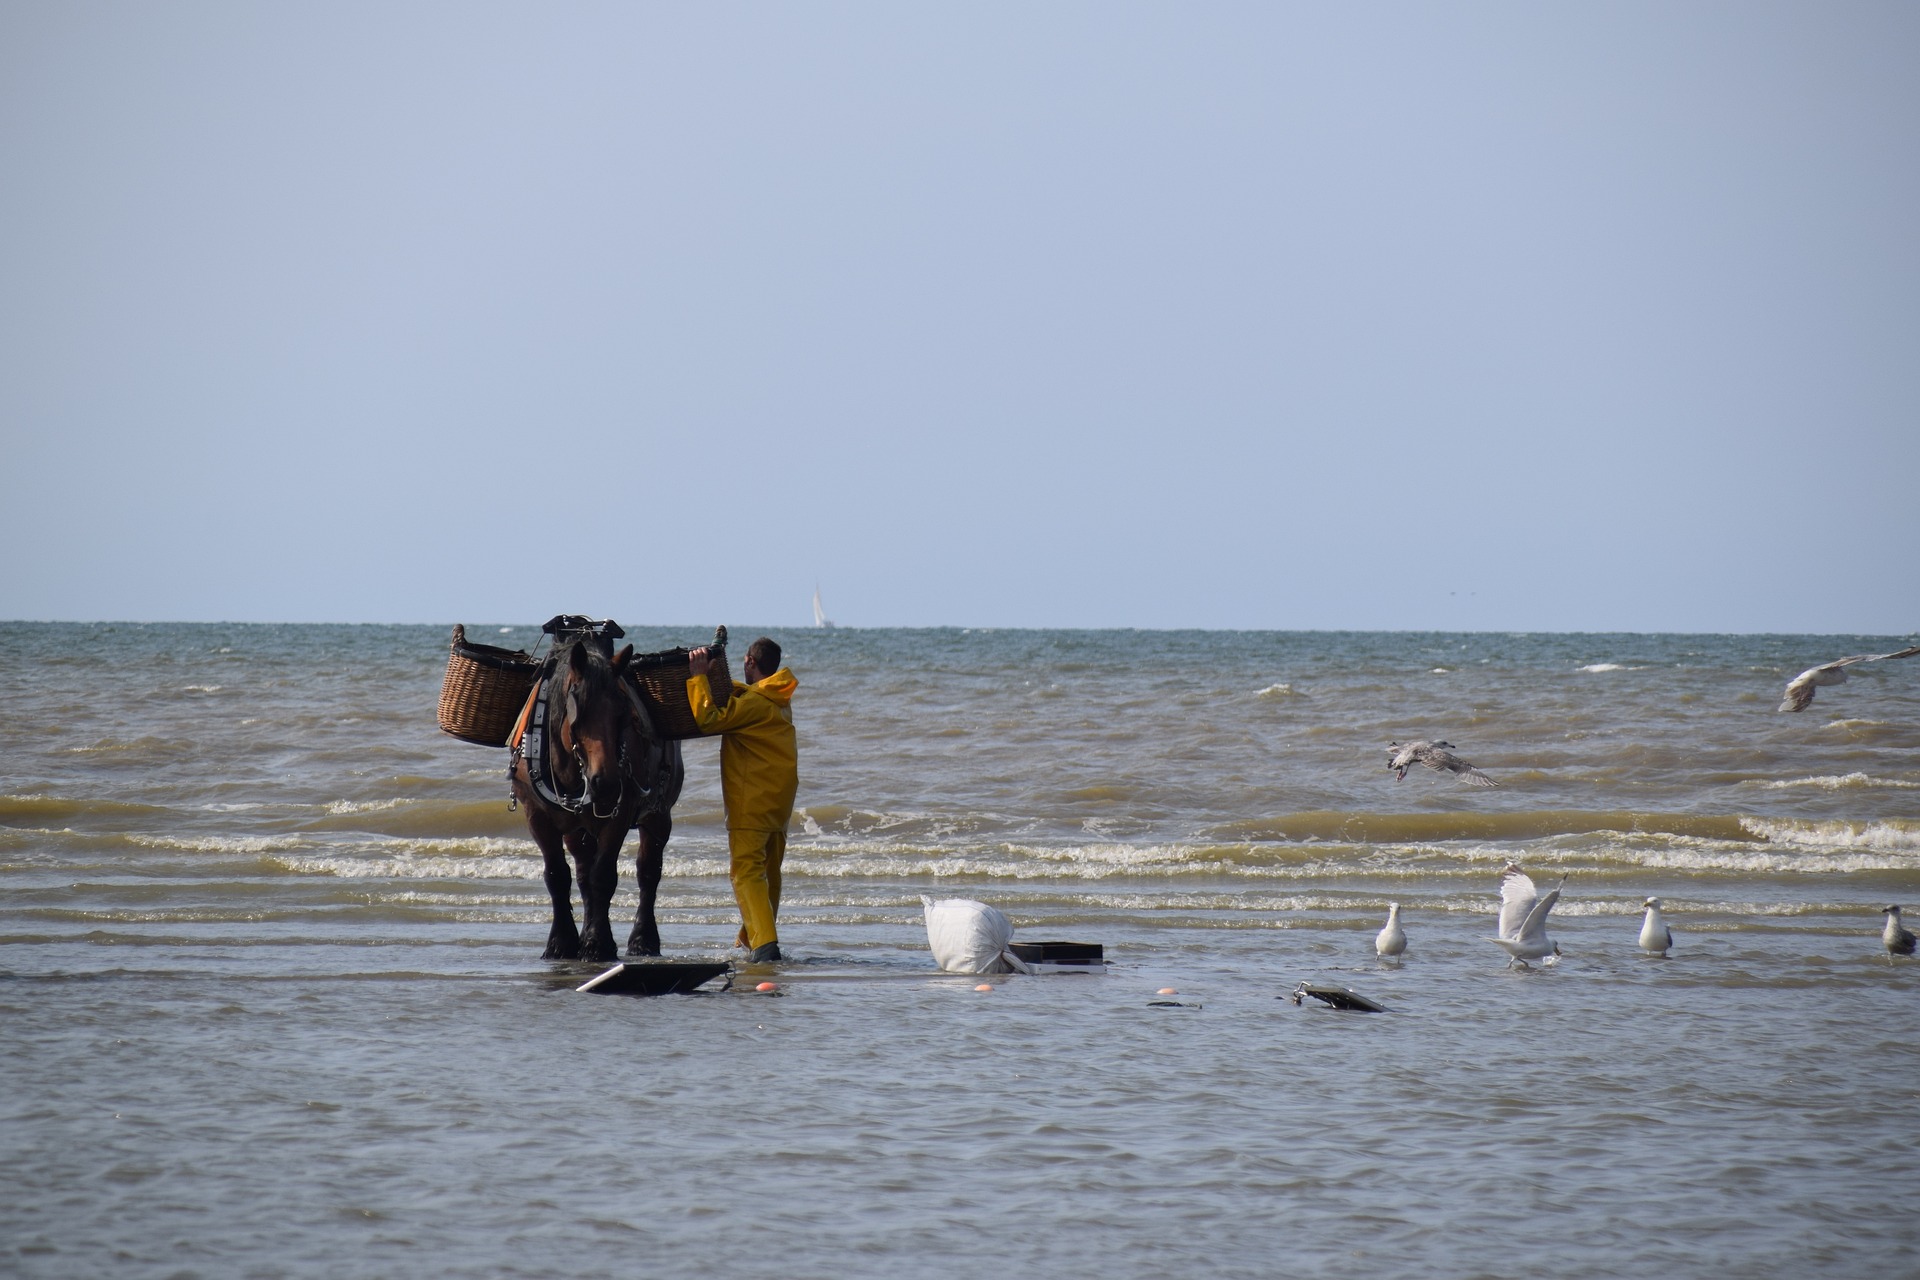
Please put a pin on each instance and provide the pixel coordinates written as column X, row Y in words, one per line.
column 1434, row 755
column 1523, row 918
column 1800, row 689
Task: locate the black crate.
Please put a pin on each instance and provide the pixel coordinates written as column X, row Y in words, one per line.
column 1059, row 952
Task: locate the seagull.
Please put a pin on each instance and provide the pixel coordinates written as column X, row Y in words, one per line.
column 1392, row 940
column 1654, row 934
column 1897, row 938
column 1434, row 755
column 1799, row 695
column 1523, row 918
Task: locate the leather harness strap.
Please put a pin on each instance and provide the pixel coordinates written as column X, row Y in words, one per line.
column 529, row 741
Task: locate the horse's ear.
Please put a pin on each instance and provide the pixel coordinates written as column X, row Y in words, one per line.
column 620, row 658
column 577, row 660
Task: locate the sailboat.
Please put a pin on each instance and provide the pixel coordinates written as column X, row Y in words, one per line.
column 820, row 618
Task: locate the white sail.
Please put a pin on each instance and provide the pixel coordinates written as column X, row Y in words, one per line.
column 819, row 614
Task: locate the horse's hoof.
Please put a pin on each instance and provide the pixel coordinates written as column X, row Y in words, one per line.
column 560, row 953
column 642, row 949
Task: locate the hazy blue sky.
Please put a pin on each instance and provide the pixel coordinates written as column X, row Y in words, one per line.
column 1505, row 316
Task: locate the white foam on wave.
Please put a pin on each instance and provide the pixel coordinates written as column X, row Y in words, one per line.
column 1275, row 692
column 528, row 865
column 1844, row 782
column 1603, row 666
column 1005, row 861
column 366, row 806
column 221, row 844
column 409, row 867
column 1886, row 837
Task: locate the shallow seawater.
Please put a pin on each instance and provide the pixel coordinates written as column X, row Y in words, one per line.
column 272, row 1001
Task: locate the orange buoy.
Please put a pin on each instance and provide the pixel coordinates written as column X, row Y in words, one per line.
column 985, row 986
column 1166, row 991
column 766, row 986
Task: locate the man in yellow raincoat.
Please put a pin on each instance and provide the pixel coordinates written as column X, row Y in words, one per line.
column 759, row 774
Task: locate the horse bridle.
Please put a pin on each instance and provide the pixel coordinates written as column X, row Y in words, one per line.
column 534, row 747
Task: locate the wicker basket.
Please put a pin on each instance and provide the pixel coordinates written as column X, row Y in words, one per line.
column 484, row 690
column 662, row 681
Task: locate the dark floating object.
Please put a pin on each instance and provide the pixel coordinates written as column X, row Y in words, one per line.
column 654, row 977
column 1171, row 1004
column 1058, row 957
column 1338, row 998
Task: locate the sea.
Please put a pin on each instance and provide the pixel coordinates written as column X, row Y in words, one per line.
column 272, row 1000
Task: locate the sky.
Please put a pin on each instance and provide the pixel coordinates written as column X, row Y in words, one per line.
column 1286, row 316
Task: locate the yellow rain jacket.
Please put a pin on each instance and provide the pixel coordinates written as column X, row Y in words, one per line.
column 759, row 758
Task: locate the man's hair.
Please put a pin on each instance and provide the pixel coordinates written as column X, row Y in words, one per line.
column 765, row 654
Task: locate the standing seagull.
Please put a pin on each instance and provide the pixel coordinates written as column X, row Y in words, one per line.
column 1434, row 755
column 1800, row 689
column 1392, row 940
column 1654, row 934
column 1523, row 918
column 1897, row 938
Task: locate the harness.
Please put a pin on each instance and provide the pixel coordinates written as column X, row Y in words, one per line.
column 531, row 737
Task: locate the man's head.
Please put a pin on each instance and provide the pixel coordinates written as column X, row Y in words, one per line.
column 763, row 659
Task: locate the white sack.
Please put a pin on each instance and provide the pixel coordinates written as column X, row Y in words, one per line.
column 967, row 936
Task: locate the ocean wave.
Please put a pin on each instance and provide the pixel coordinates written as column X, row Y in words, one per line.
column 1276, row 692
column 366, row 806
column 46, row 808
column 403, row 817
column 470, row 860
column 1843, row 782
column 1890, row 835
column 1421, row 828
column 220, row 844
column 149, row 745
column 412, row 867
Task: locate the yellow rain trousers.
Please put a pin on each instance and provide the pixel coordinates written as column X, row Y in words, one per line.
column 759, row 775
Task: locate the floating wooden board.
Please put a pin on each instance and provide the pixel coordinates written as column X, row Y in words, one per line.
column 654, row 977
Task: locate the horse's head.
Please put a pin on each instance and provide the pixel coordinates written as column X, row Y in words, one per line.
column 598, row 726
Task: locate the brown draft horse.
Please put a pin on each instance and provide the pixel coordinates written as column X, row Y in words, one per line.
column 603, row 771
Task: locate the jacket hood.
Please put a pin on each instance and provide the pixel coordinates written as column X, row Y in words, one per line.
column 779, row 686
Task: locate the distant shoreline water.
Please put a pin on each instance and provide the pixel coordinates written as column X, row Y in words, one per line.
column 268, row 938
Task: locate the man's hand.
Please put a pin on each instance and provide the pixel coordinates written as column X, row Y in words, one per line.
column 699, row 661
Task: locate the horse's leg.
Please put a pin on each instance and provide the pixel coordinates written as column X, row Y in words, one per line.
column 563, row 939
column 650, row 856
column 596, row 856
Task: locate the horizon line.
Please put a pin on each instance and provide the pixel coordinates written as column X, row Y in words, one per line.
column 950, row 626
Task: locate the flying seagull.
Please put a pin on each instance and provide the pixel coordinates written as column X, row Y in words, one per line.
column 1392, row 939
column 1523, row 918
column 1898, row 939
column 1654, row 934
column 1434, row 755
column 1800, row 689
